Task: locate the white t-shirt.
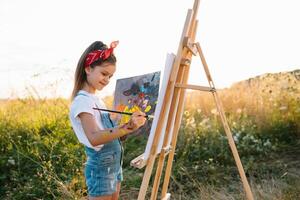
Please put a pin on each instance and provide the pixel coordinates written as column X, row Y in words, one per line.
column 85, row 103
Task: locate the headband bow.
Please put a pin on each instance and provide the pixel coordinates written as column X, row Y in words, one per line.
column 100, row 54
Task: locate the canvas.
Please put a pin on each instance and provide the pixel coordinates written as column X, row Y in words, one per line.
column 163, row 87
column 140, row 160
column 138, row 93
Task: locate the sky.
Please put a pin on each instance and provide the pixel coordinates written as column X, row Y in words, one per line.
column 41, row 41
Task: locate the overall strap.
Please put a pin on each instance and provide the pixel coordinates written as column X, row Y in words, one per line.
column 105, row 118
column 82, row 94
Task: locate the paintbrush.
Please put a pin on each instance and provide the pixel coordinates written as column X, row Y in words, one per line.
column 124, row 113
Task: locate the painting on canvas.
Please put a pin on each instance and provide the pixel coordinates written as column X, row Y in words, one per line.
column 137, row 93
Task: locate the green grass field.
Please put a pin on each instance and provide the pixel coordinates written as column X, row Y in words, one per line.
column 40, row 157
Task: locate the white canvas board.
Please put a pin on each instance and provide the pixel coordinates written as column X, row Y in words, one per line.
column 166, row 74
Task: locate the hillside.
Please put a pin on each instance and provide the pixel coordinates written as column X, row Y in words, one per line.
column 272, row 83
column 273, row 90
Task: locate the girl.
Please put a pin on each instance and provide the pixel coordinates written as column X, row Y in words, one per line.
column 95, row 129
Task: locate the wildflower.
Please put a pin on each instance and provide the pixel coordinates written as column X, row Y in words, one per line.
column 283, row 108
column 214, row 111
column 267, row 143
column 236, row 137
column 204, row 122
column 11, row 161
column 239, row 111
column 191, row 122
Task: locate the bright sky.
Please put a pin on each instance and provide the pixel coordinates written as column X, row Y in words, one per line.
column 41, row 41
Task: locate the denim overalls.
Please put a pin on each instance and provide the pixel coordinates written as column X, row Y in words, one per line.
column 103, row 168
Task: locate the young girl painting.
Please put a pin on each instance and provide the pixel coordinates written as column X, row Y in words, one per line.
column 95, row 129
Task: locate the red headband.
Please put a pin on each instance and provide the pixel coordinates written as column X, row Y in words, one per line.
column 97, row 54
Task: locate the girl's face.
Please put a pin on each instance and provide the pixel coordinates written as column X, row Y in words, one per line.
column 99, row 76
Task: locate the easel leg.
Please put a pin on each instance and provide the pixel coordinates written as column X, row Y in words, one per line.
column 174, row 140
column 226, row 127
column 158, row 173
column 233, row 148
column 146, row 178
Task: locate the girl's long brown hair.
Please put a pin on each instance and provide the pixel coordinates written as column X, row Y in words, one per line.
column 80, row 75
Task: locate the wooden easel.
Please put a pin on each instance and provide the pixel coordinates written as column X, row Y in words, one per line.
column 174, row 99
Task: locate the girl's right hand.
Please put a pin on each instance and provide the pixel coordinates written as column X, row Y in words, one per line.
column 137, row 120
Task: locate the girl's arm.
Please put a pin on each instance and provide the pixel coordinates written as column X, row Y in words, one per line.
column 97, row 136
